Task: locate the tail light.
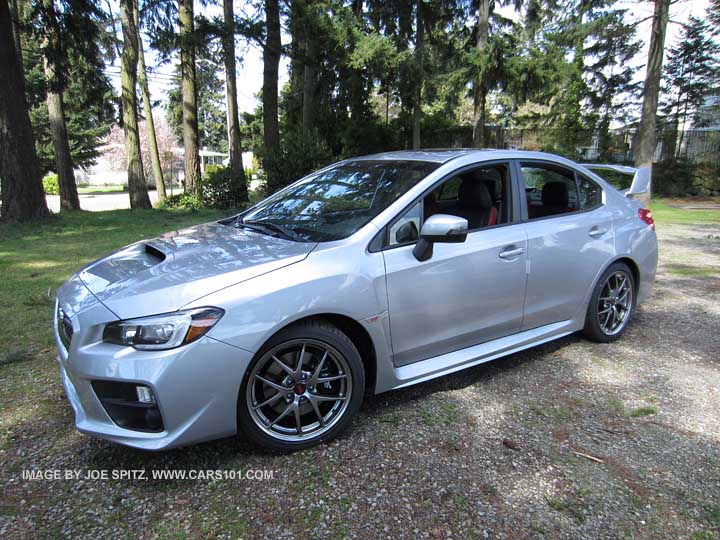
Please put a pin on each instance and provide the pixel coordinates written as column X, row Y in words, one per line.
column 646, row 215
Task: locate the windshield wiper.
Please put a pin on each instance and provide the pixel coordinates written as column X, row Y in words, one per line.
column 286, row 232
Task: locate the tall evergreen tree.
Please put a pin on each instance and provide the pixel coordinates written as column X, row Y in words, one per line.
column 419, row 54
column 212, row 117
column 54, row 49
column 690, row 74
column 89, row 107
column 137, row 186
column 536, row 69
column 191, row 137
column 233, row 121
column 271, row 64
column 646, row 137
column 480, row 83
column 22, row 192
column 609, row 71
column 66, row 30
column 149, row 121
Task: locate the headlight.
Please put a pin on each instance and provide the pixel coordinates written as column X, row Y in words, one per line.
column 163, row 331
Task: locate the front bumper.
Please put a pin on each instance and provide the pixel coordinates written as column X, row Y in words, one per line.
column 196, row 386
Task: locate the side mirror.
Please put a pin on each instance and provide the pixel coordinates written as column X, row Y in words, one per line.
column 407, row 233
column 441, row 228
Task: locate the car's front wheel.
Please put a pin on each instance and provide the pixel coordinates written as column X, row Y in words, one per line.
column 611, row 304
column 302, row 388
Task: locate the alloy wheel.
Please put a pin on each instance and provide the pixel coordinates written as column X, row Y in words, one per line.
column 299, row 390
column 615, row 303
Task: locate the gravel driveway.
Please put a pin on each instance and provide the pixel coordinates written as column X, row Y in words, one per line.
column 567, row 440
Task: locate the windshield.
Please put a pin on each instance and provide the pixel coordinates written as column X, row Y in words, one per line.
column 335, row 203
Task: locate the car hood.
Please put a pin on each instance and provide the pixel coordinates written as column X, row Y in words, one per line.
column 165, row 273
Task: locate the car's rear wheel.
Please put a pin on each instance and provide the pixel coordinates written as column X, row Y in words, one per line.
column 302, row 388
column 611, row 304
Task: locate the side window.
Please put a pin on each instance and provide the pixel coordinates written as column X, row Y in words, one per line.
column 449, row 189
column 407, row 228
column 550, row 190
column 590, row 193
column 479, row 195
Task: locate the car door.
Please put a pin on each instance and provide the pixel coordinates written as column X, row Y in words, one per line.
column 570, row 239
column 466, row 293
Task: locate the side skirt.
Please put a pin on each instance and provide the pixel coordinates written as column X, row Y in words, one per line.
column 445, row 364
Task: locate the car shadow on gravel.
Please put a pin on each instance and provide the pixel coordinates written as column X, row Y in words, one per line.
column 482, row 373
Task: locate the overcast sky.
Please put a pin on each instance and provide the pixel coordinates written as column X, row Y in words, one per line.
column 250, row 69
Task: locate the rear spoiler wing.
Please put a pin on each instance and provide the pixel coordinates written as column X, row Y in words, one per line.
column 641, row 176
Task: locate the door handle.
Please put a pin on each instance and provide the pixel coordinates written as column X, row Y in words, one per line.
column 597, row 232
column 511, row 252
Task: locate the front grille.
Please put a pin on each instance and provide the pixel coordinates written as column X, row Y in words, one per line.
column 65, row 328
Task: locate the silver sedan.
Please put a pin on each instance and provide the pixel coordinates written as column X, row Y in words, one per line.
column 372, row 274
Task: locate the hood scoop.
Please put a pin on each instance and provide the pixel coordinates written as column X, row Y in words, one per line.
column 154, row 253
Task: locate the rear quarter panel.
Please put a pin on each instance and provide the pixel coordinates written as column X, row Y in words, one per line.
column 635, row 240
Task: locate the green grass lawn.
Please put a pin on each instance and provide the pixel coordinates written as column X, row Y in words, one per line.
column 35, row 258
column 665, row 214
column 108, row 188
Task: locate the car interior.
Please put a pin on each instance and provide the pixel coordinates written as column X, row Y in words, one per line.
column 479, row 195
column 549, row 191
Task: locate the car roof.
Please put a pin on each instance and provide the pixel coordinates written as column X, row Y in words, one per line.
column 443, row 155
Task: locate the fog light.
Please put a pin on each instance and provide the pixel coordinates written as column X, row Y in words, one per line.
column 153, row 420
column 144, row 394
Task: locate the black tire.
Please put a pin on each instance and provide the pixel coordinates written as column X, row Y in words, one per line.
column 313, row 330
column 593, row 329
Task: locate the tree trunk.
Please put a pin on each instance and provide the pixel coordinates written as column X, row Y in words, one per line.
column 417, row 93
column 191, row 136
column 681, row 127
column 22, row 190
column 646, row 137
column 233, row 121
column 137, row 187
column 16, row 28
column 675, row 150
column 294, row 102
column 309, row 85
column 480, row 91
column 149, row 120
column 355, row 80
column 69, row 199
column 271, row 62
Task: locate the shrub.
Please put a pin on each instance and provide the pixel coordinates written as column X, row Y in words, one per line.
column 182, row 201
column 222, row 189
column 679, row 178
column 51, row 184
column 211, row 169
